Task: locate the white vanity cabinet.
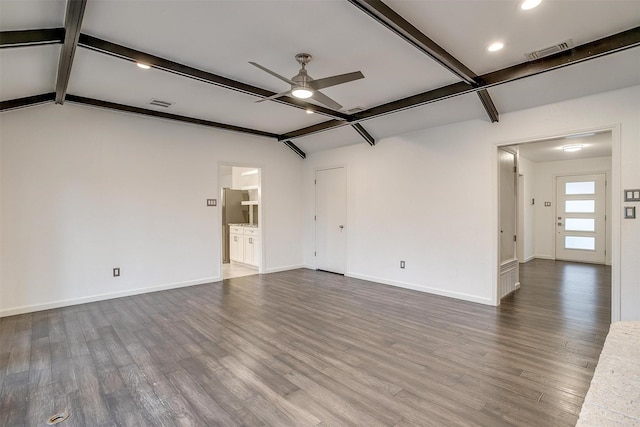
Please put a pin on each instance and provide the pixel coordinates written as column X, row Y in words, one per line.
column 236, row 243
column 252, row 246
column 244, row 244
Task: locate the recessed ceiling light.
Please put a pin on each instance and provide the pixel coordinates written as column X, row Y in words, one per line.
column 143, row 66
column 494, row 47
column 529, row 4
column 573, row 147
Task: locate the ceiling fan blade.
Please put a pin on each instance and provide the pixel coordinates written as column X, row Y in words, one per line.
column 273, row 73
column 324, row 99
column 276, row 95
column 336, row 80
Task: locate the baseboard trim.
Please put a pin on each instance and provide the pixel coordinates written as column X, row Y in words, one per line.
column 531, row 258
column 101, row 297
column 422, row 288
column 285, row 268
column 544, row 257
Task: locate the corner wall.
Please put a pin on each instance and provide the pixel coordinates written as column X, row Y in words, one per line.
column 430, row 198
column 85, row 190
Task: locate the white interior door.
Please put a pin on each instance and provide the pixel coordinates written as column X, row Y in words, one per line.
column 331, row 217
column 580, row 225
column 508, row 205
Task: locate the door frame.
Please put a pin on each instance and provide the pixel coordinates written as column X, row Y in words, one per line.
column 261, row 215
column 346, row 183
column 614, row 187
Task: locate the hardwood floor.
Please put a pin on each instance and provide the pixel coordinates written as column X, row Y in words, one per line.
column 310, row 348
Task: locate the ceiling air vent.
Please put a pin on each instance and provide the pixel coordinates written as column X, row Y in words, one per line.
column 547, row 51
column 159, row 103
column 355, row 110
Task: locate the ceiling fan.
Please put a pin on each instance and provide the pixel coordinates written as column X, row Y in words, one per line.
column 303, row 86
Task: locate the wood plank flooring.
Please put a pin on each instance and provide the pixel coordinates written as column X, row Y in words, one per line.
column 306, row 348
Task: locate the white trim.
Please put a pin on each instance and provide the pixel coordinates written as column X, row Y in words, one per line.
column 101, row 297
column 538, row 256
column 285, row 268
column 423, row 288
column 616, row 221
column 530, row 258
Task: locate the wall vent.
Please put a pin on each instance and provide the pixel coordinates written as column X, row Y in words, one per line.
column 551, row 50
column 159, row 103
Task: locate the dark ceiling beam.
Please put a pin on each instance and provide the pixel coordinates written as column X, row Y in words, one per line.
column 310, row 130
column 588, row 51
column 488, row 105
column 616, row 43
column 129, row 54
column 295, row 149
column 72, row 24
column 28, row 101
column 168, row 116
column 363, row 133
column 400, row 26
column 382, row 13
column 22, row 38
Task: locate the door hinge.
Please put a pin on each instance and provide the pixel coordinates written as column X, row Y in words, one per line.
column 515, row 169
column 315, row 181
column 515, row 238
column 314, row 253
column 315, row 218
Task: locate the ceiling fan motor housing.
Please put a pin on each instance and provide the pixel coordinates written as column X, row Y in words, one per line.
column 303, row 58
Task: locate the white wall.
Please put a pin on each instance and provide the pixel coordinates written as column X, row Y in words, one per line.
column 526, row 234
column 545, row 191
column 430, row 198
column 84, row 190
column 238, row 180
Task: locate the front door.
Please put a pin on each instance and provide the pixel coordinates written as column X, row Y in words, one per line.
column 580, row 219
column 331, row 217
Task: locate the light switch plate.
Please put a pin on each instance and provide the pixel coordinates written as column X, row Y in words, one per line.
column 629, row 212
column 212, row 202
column 632, row 195
column 547, row 204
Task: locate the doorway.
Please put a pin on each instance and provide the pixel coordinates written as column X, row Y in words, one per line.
column 331, row 220
column 563, row 200
column 241, row 220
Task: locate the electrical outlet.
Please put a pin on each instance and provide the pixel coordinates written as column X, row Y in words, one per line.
column 401, row 264
column 116, row 272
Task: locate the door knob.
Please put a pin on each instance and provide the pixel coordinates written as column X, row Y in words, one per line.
column 341, row 227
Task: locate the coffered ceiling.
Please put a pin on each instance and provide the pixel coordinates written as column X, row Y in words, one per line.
column 200, row 53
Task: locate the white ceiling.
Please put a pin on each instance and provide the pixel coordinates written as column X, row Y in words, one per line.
column 222, row 36
column 550, row 150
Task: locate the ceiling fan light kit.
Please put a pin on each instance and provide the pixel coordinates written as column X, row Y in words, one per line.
column 303, row 86
column 302, row 93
